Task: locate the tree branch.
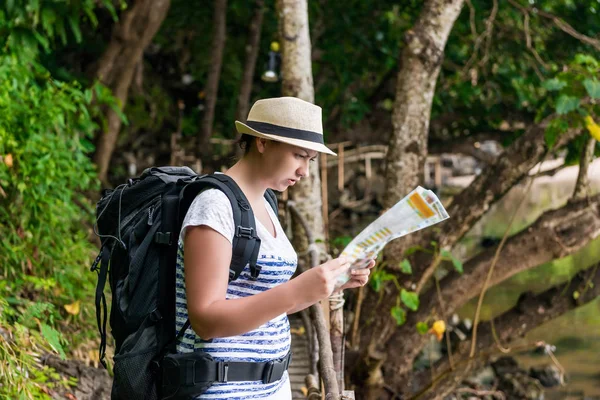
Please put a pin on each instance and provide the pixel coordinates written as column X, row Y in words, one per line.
column 565, row 27
column 530, row 312
column 556, row 234
column 511, row 167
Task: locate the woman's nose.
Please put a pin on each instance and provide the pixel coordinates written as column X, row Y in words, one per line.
column 303, row 171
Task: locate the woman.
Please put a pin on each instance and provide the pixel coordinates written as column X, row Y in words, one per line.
column 246, row 320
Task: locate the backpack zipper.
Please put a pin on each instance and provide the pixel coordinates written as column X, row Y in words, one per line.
column 154, row 202
column 150, row 214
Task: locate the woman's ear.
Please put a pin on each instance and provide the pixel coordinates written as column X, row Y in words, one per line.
column 261, row 144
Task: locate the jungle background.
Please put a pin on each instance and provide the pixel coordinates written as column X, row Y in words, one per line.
column 492, row 104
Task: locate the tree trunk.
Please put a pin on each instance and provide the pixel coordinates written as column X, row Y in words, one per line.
column 252, row 50
column 297, row 81
column 530, row 312
column 555, row 234
column 421, row 59
column 214, row 74
column 130, row 36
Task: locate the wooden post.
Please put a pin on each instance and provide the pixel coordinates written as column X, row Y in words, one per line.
column 340, row 167
column 438, row 173
column 324, row 192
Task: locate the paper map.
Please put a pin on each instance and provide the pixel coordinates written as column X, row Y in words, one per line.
column 419, row 209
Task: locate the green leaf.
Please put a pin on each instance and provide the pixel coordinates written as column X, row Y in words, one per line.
column 458, row 265
column 376, row 282
column 554, row 84
column 555, row 128
column 41, row 40
column 566, row 104
column 53, row 338
column 586, row 59
column 593, row 87
column 399, row 315
column 410, row 299
column 405, row 267
column 575, row 295
column 74, row 23
column 422, row 328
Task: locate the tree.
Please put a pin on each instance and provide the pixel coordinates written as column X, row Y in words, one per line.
column 251, row 55
column 115, row 69
column 306, row 195
column 421, row 60
column 214, row 74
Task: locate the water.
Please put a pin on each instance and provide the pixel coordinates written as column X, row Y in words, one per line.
column 575, row 334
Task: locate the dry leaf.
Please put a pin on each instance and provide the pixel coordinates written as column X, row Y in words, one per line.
column 8, row 160
column 73, row 308
column 93, row 355
column 438, row 328
column 298, row 331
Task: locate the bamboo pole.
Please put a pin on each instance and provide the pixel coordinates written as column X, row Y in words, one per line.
column 324, row 195
column 340, row 167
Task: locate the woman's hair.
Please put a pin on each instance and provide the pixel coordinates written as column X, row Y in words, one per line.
column 245, row 142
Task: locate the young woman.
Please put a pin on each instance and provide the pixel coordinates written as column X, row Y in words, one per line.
column 246, row 320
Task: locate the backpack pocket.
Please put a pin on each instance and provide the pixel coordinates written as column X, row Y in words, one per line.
column 134, row 371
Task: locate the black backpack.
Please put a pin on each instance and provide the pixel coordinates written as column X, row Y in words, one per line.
column 139, row 224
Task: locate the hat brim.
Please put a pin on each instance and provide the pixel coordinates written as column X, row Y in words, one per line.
column 321, row 148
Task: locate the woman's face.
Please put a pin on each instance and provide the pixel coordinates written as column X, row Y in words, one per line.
column 284, row 163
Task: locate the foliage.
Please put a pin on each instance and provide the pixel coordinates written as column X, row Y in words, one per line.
column 405, row 298
column 27, row 25
column 573, row 95
column 21, row 348
column 46, row 133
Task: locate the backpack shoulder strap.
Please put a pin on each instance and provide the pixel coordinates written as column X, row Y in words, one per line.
column 246, row 242
column 272, row 199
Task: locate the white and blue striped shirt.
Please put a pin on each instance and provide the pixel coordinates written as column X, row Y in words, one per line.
column 270, row 341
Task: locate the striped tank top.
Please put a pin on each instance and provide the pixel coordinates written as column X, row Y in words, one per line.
column 268, row 342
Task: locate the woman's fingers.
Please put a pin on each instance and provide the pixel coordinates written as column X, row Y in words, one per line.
column 360, row 272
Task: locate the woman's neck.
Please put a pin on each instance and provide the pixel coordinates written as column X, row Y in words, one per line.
column 248, row 176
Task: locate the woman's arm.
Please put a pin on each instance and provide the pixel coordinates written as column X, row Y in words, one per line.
column 207, row 258
column 359, row 277
column 299, row 307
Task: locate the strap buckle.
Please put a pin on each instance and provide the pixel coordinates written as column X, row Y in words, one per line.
column 163, row 238
column 274, row 370
column 242, row 231
column 222, row 371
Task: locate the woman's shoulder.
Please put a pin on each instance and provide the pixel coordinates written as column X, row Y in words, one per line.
column 211, row 201
column 211, row 208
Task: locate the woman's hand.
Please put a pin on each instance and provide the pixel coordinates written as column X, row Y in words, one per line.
column 358, row 277
column 319, row 282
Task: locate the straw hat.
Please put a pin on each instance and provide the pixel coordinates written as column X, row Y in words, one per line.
column 288, row 120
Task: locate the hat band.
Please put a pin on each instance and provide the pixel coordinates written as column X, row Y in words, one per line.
column 292, row 133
